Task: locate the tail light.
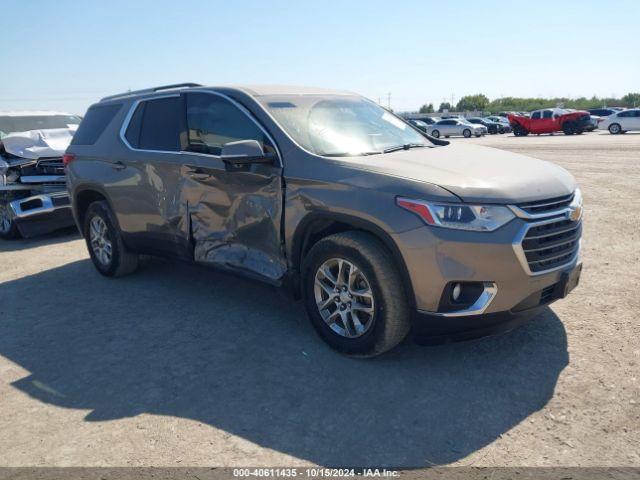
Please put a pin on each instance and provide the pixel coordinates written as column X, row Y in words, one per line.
column 67, row 158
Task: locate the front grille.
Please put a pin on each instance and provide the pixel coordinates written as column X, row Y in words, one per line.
column 548, row 205
column 552, row 244
column 50, row 166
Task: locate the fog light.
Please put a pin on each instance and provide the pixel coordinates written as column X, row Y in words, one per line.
column 455, row 293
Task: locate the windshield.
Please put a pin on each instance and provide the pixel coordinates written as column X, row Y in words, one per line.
column 337, row 125
column 11, row 124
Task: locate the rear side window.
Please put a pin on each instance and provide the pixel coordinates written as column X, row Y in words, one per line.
column 155, row 125
column 94, row 123
column 213, row 121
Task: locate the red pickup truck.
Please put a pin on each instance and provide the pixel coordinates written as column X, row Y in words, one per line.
column 550, row 120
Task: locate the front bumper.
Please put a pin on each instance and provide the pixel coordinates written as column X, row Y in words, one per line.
column 41, row 213
column 437, row 257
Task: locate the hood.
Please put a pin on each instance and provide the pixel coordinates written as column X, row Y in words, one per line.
column 475, row 173
column 36, row 144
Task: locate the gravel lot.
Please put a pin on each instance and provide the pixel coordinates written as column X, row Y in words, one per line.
column 182, row 366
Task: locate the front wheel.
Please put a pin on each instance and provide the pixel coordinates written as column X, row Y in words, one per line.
column 466, row 132
column 8, row 227
column 353, row 294
column 615, row 128
column 435, row 134
column 104, row 241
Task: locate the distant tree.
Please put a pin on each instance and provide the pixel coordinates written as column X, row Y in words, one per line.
column 631, row 100
column 472, row 102
column 426, row 108
column 444, row 106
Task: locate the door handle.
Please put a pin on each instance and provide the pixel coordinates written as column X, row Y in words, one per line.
column 198, row 173
column 118, row 165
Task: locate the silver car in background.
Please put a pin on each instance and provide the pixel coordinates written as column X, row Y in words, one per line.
column 455, row 126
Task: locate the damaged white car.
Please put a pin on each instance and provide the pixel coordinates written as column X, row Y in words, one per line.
column 33, row 191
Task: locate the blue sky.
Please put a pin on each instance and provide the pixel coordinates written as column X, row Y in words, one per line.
column 64, row 54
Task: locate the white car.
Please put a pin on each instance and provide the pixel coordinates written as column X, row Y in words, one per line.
column 621, row 122
column 455, row 126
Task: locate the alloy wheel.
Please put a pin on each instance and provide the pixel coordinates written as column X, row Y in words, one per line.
column 344, row 298
column 100, row 243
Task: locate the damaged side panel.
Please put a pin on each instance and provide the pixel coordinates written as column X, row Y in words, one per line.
column 234, row 216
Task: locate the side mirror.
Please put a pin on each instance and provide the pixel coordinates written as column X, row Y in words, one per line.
column 244, row 152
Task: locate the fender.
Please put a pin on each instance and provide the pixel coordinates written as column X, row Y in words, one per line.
column 301, row 237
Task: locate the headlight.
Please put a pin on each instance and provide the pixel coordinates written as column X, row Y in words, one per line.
column 460, row 216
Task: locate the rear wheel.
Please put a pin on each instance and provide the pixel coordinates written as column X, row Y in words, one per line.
column 353, row 294
column 569, row 128
column 466, row 132
column 435, row 134
column 8, row 227
column 615, row 129
column 520, row 131
column 104, row 241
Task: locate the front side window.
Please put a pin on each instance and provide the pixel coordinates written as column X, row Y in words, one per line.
column 536, row 115
column 340, row 125
column 155, row 125
column 213, row 121
column 627, row 113
column 547, row 114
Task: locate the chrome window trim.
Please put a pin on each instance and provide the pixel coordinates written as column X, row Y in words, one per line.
column 247, row 113
column 522, row 258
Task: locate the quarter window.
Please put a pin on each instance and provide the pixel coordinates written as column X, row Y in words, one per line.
column 213, row 121
column 94, row 123
column 155, row 125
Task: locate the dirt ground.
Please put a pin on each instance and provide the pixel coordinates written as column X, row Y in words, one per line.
column 182, row 366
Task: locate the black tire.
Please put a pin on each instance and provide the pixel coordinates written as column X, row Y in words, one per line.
column 435, row 133
column 466, row 133
column 8, row 228
column 122, row 261
column 520, row 131
column 391, row 318
column 569, row 128
column 615, row 129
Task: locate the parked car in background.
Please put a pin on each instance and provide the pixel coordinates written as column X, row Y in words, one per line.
column 419, row 124
column 450, row 127
column 602, row 112
column 492, row 127
column 505, row 127
column 550, row 120
column 594, row 121
column 376, row 226
column 33, row 193
column 622, row 122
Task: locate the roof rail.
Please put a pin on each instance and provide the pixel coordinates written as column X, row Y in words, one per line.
column 150, row 90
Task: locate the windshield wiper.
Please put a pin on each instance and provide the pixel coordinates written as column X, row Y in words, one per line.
column 345, row 154
column 406, row 146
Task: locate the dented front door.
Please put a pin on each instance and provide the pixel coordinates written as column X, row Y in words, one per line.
column 234, row 213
